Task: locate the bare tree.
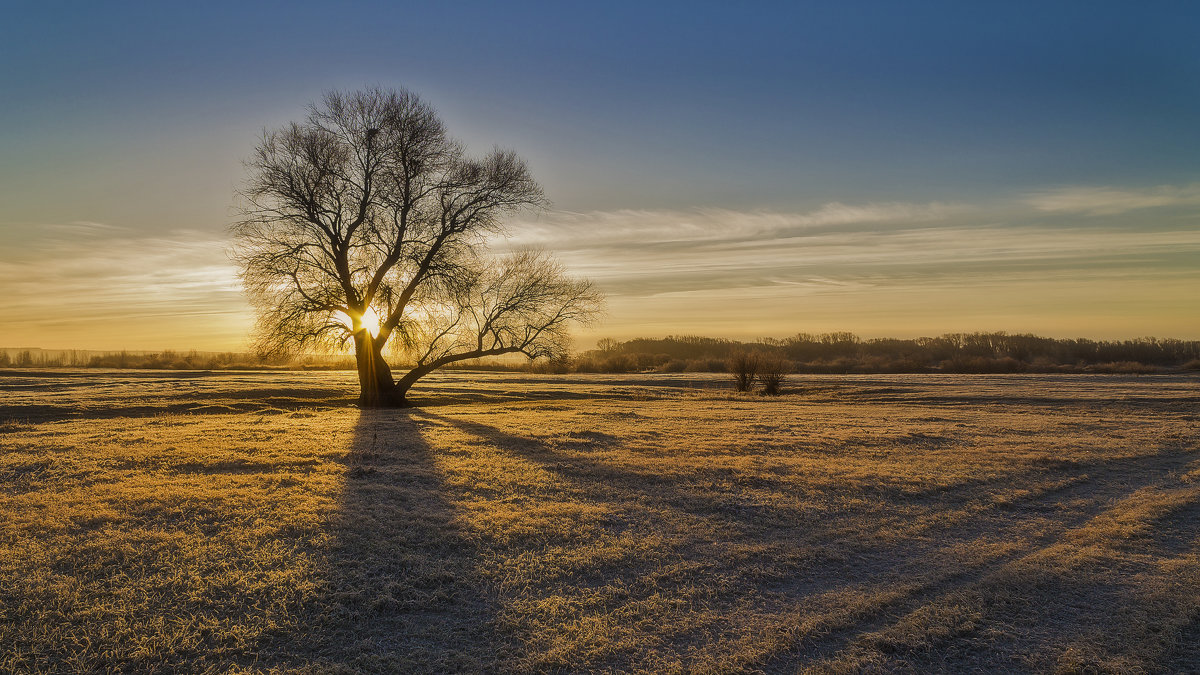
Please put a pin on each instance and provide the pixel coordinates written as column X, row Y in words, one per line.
column 368, row 223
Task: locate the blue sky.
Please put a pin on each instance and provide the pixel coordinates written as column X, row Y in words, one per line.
column 134, row 117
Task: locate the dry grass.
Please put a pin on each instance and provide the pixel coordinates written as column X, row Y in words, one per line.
column 254, row 522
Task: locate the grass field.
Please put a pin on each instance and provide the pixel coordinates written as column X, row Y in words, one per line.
column 209, row 522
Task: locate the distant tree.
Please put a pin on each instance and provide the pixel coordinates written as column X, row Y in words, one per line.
column 4, row 358
column 607, row 345
column 367, row 223
column 25, row 358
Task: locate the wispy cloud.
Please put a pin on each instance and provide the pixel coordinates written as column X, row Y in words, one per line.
column 1102, row 201
column 628, row 228
column 87, row 226
column 101, row 286
column 763, row 273
column 650, row 252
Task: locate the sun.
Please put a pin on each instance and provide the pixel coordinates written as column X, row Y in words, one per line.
column 369, row 321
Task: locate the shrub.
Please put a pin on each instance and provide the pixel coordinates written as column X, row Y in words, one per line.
column 771, row 374
column 1124, row 368
column 827, row 367
column 647, row 362
column 614, row 363
column 706, row 366
column 673, row 366
column 551, row 366
column 744, row 366
column 619, row 363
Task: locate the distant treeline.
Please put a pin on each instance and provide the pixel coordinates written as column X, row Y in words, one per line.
column 848, row 353
column 191, row 360
column 165, row 360
column 803, row 353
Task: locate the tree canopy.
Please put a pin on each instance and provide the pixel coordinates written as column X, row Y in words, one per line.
column 368, row 223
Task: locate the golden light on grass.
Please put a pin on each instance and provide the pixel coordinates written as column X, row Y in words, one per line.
column 665, row 524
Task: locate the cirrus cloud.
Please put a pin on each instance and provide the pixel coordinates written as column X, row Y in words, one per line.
column 1107, row 201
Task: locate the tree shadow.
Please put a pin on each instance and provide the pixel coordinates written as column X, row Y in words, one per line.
column 776, row 557
column 714, row 494
column 398, row 587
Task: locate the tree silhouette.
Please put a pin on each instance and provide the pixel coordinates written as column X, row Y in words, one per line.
column 366, row 222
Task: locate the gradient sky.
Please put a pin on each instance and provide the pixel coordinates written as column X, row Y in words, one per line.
column 726, row 169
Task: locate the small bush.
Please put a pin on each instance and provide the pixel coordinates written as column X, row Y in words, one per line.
column 673, row 366
column 706, row 366
column 553, row 366
column 1124, row 368
column 771, row 374
column 744, row 367
column 615, row 363
column 649, row 362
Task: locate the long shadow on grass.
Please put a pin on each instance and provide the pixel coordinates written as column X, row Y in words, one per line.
column 601, row 480
column 398, row 591
column 717, row 495
column 767, row 568
column 690, row 545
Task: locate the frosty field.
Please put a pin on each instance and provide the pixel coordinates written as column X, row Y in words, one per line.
column 159, row 521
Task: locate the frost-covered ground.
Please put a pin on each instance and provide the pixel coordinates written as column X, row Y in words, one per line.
column 259, row 521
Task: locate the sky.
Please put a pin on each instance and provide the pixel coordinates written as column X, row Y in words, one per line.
column 726, row 169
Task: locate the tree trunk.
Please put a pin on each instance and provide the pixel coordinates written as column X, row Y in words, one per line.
column 377, row 390
column 401, row 387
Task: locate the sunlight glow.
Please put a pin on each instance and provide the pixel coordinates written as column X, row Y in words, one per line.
column 369, row 321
